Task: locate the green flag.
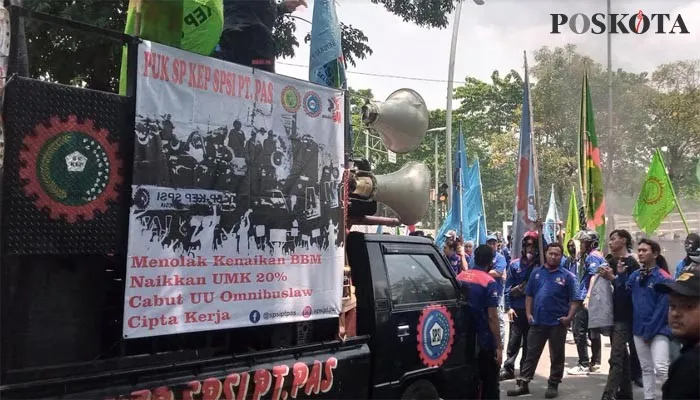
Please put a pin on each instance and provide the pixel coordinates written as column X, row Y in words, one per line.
column 657, row 198
column 571, row 221
column 590, row 170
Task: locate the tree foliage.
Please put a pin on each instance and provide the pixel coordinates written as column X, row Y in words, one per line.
column 661, row 109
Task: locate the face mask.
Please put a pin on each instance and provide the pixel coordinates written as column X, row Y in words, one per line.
column 529, row 256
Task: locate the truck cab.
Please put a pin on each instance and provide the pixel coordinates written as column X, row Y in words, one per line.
column 405, row 292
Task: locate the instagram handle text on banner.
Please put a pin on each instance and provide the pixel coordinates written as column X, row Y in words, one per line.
column 236, row 211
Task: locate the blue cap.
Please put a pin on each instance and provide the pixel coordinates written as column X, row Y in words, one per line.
column 491, row 237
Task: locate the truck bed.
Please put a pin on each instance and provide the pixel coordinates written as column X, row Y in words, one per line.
column 317, row 370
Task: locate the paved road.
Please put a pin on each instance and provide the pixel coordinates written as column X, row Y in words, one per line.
column 587, row 387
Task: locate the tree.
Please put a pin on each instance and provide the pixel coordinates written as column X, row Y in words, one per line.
column 676, row 120
column 97, row 61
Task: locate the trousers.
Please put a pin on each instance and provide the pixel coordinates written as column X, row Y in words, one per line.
column 619, row 377
column 653, row 358
column 581, row 336
column 517, row 338
column 488, row 375
column 537, row 337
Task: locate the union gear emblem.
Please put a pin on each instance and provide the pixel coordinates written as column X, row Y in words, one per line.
column 70, row 168
column 436, row 330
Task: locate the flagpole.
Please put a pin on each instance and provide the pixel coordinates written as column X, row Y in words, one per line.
column 673, row 192
column 481, row 190
column 448, row 110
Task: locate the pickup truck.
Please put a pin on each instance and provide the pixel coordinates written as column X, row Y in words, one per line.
column 414, row 342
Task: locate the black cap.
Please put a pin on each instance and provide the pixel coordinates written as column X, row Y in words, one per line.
column 687, row 284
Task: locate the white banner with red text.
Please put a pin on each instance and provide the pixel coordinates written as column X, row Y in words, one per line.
column 236, row 216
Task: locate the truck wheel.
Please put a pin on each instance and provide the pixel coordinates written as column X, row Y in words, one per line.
column 420, row 390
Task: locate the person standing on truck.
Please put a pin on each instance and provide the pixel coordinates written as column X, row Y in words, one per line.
column 498, row 273
column 551, row 302
column 590, row 261
column 483, row 304
column 517, row 275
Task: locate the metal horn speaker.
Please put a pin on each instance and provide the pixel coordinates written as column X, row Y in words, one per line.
column 401, row 120
column 406, row 191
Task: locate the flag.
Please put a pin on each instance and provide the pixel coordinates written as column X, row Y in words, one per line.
column 656, row 199
column 590, row 171
column 550, row 223
column 461, row 182
column 524, row 213
column 572, row 221
column 326, row 64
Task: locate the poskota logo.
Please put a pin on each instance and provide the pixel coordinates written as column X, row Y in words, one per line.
column 637, row 23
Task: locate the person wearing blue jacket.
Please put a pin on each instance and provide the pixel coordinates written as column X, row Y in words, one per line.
column 517, row 275
column 692, row 242
column 589, row 263
column 649, row 314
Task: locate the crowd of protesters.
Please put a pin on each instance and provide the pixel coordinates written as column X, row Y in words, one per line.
column 652, row 319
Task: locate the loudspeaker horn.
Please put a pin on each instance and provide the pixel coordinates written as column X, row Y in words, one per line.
column 401, row 120
column 406, row 191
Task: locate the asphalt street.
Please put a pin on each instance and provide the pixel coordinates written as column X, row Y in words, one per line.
column 579, row 387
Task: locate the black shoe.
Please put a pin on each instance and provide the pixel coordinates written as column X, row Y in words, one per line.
column 608, row 396
column 520, row 389
column 506, row 375
column 638, row 382
column 552, row 391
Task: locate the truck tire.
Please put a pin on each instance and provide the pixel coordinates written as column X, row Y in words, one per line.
column 420, row 390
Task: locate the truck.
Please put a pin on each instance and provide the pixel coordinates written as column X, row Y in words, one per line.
column 414, row 341
column 62, row 312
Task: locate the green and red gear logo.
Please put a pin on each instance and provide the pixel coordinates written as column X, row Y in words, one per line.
column 72, row 169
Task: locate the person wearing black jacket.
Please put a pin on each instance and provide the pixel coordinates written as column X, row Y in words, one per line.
column 620, row 376
column 684, row 321
column 247, row 35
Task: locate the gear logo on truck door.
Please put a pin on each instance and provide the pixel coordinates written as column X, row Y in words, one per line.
column 436, row 330
column 71, row 168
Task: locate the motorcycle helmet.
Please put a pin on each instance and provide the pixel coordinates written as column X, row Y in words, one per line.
column 692, row 247
column 589, row 236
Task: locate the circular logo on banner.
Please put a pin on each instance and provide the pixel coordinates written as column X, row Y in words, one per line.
column 141, row 198
column 254, row 316
column 312, row 104
column 71, row 168
column 436, row 330
column 291, row 99
column 306, row 312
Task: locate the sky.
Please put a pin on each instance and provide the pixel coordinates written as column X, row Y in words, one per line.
column 491, row 36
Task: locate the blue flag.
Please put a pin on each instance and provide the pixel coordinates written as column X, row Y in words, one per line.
column 326, row 64
column 466, row 216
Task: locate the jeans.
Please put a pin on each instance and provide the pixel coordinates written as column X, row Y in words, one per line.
column 537, row 337
column 619, row 374
column 488, row 375
column 653, row 357
column 581, row 335
column 518, row 336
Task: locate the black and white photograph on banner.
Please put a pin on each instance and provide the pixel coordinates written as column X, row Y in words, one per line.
column 239, row 173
